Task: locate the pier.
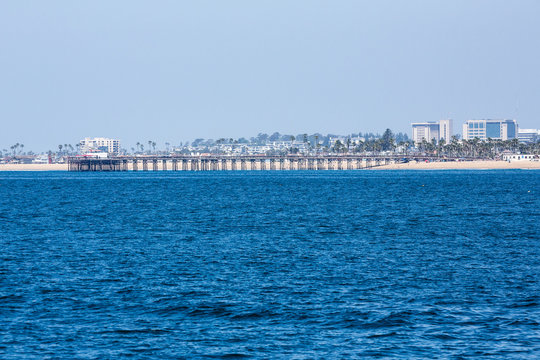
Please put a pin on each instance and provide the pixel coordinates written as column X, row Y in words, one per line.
column 232, row 162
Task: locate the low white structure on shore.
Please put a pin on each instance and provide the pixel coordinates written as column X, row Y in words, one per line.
column 520, row 157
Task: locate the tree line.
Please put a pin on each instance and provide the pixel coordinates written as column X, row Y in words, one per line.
column 356, row 143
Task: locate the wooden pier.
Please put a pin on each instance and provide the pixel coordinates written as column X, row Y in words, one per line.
column 228, row 162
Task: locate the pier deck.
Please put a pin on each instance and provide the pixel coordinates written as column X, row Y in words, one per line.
column 228, row 162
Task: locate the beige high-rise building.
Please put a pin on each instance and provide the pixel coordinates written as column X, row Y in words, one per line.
column 430, row 130
column 445, row 130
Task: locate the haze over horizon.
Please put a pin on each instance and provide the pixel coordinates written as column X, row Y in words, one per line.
column 175, row 71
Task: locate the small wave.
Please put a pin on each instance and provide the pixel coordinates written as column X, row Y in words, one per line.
column 253, row 315
column 395, row 319
column 228, row 356
column 442, row 337
column 218, row 311
column 169, row 310
column 374, row 336
column 526, row 303
column 522, row 322
column 107, row 280
column 135, row 331
column 12, row 297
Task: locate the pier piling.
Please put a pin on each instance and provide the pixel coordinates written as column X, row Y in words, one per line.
column 237, row 162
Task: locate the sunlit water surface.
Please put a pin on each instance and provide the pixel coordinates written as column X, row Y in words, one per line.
column 351, row 264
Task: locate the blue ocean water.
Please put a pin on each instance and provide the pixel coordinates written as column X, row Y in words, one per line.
column 350, row 264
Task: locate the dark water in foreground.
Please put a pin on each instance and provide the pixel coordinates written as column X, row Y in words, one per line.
column 442, row 264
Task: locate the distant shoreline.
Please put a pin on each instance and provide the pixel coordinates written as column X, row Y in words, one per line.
column 33, row 167
column 462, row 165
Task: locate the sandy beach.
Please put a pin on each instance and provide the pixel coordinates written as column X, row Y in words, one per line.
column 462, row 165
column 33, row 167
column 478, row 165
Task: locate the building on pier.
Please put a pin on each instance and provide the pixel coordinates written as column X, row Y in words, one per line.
column 111, row 146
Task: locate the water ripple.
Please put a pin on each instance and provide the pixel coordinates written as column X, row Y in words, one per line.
column 285, row 265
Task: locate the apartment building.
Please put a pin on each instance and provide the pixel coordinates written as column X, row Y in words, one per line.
column 528, row 136
column 438, row 130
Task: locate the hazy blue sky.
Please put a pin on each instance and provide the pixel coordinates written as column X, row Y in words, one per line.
column 177, row 70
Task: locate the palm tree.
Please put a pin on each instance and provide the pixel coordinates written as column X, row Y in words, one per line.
column 409, row 144
column 424, row 145
column 440, row 146
column 475, row 146
column 454, row 143
column 338, row 146
column 514, row 143
column 14, row 148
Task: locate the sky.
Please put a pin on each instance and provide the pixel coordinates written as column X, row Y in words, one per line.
column 173, row 71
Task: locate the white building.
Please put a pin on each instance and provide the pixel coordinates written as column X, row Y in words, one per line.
column 490, row 129
column 528, row 135
column 438, row 130
column 445, row 130
column 111, row 146
column 343, row 139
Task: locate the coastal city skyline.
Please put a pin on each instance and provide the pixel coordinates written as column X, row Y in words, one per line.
column 455, row 129
column 444, row 129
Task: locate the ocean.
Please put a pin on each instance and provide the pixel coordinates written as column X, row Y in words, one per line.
column 291, row 265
